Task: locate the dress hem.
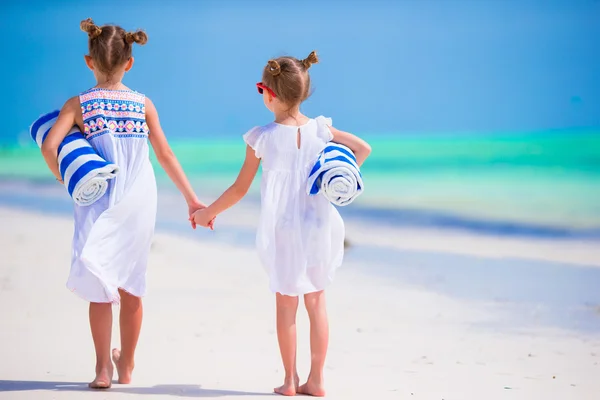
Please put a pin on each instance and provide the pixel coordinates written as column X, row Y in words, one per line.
column 116, row 298
column 302, row 293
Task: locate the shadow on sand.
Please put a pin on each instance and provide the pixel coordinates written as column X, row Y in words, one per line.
column 165, row 390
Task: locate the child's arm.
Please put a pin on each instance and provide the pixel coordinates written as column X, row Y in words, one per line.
column 235, row 192
column 359, row 147
column 65, row 121
column 167, row 159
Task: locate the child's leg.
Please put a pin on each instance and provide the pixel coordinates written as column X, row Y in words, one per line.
column 319, row 339
column 101, row 325
column 286, row 334
column 130, row 320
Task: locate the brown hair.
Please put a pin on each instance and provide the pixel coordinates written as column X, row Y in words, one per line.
column 288, row 77
column 109, row 45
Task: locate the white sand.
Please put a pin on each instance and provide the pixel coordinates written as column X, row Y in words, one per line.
column 209, row 332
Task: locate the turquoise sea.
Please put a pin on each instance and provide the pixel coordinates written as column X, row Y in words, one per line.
column 481, row 115
column 540, row 183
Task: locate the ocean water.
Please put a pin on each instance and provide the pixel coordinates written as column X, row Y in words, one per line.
column 520, row 77
column 541, row 184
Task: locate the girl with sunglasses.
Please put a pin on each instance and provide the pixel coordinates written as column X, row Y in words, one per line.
column 300, row 237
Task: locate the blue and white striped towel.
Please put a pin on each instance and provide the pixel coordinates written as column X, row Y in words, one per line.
column 337, row 175
column 84, row 172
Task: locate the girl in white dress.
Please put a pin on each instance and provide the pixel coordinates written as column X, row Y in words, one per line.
column 300, row 237
column 112, row 237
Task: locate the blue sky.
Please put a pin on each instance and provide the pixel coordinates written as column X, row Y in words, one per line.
column 386, row 66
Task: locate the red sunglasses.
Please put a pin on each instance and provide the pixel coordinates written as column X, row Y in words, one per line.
column 260, row 86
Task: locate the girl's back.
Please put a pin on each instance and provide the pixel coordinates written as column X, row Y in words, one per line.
column 292, row 148
column 300, row 237
column 114, row 123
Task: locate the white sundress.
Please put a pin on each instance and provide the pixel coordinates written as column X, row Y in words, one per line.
column 300, row 238
column 112, row 237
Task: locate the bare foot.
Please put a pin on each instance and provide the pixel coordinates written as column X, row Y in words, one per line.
column 103, row 378
column 311, row 388
column 124, row 371
column 288, row 388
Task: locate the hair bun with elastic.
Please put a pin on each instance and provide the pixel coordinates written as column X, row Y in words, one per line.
column 138, row 37
column 274, row 67
column 88, row 26
column 310, row 60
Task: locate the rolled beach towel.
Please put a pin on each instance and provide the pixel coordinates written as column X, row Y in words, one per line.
column 337, row 175
column 84, row 173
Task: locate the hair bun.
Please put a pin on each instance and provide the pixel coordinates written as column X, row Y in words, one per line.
column 138, row 37
column 274, row 67
column 310, row 60
column 88, row 26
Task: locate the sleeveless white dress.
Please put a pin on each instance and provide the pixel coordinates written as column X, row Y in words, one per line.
column 300, row 238
column 113, row 236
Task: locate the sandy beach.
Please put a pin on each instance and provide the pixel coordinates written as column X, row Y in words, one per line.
column 472, row 268
column 209, row 331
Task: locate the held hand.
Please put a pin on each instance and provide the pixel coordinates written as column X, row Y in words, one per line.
column 210, row 225
column 193, row 207
column 203, row 218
